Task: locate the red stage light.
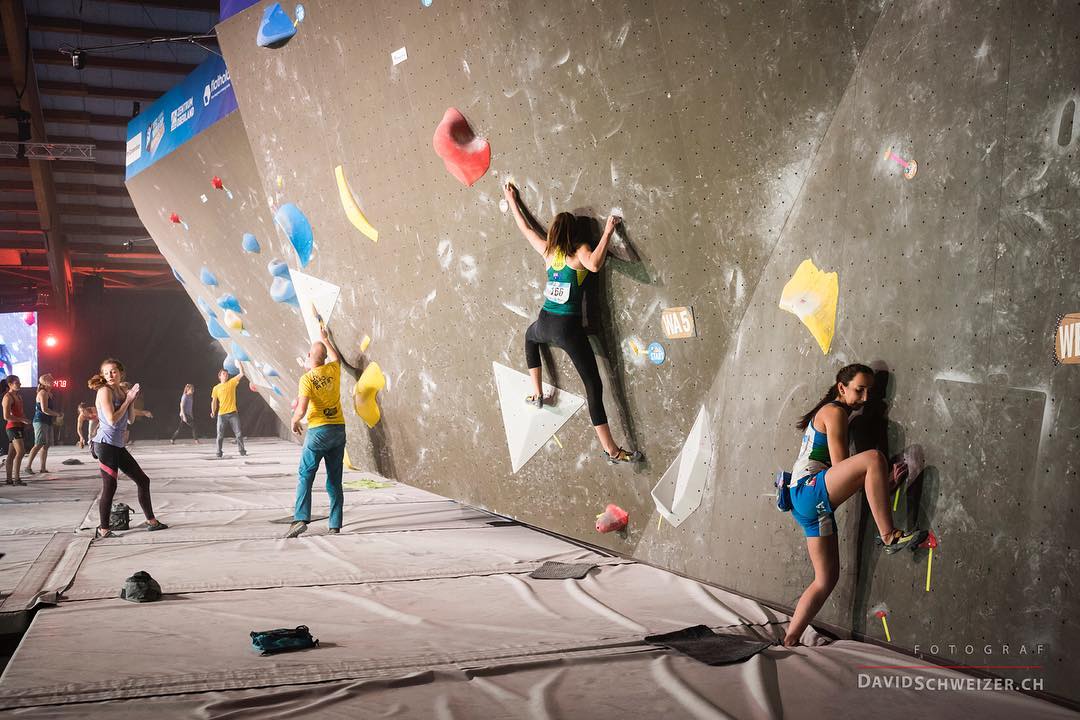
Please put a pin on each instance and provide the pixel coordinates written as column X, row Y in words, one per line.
column 51, row 341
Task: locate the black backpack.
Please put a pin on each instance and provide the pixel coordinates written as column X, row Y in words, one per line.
column 269, row 642
column 120, row 517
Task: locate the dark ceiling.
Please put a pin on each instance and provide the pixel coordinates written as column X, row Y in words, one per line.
column 98, row 228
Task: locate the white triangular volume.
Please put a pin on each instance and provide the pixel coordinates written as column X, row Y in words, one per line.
column 680, row 490
column 527, row 427
column 313, row 291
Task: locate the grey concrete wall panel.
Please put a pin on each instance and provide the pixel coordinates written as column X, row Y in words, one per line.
column 739, row 139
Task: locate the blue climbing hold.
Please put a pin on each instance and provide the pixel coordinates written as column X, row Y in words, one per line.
column 269, row 371
column 296, row 227
column 281, row 290
column 228, row 301
column 230, row 366
column 277, row 391
column 251, row 243
column 238, row 352
column 177, row 276
column 207, row 277
column 275, row 28
column 215, row 329
column 278, row 268
column 205, row 307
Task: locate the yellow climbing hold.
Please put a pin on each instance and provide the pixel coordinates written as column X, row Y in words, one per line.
column 233, row 321
column 367, row 387
column 352, row 209
column 811, row 295
column 365, row 343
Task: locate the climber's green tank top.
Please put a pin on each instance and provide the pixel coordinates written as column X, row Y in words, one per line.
column 562, row 294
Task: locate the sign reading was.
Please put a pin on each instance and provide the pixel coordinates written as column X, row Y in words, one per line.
column 1067, row 339
column 678, row 322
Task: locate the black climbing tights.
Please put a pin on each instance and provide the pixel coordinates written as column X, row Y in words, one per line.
column 566, row 332
column 190, row 426
column 112, row 459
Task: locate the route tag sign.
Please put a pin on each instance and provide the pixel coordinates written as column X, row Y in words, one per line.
column 678, row 322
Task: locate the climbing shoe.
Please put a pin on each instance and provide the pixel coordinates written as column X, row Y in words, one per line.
column 904, row 539
column 538, row 401
column 156, row 526
column 296, row 529
column 621, row 456
column 334, row 531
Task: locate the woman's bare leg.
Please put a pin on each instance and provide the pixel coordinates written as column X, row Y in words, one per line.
column 534, row 375
column 603, row 432
column 867, row 471
column 825, row 556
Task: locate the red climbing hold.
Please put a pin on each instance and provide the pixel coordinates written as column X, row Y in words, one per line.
column 174, row 218
column 466, row 156
column 216, row 183
column 613, row 519
column 930, row 542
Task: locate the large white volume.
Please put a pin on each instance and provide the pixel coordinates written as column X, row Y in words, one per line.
column 527, row 427
column 680, row 490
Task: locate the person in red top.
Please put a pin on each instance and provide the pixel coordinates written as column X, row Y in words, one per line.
column 14, row 421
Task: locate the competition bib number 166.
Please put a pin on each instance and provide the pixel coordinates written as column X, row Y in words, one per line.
column 557, row 292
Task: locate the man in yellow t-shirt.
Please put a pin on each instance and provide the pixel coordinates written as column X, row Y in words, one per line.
column 319, row 399
column 223, row 406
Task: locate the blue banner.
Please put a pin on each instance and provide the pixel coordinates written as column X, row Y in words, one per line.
column 200, row 100
column 231, row 7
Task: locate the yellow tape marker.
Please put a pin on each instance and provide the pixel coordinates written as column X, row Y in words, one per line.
column 365, row 343
column 896, row 499
column 635, row 348
column 929, row 568
column 659, row 522
column 556, row 439
column 884, row 622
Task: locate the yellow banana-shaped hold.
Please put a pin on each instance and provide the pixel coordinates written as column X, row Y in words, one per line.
column 367, row 387
column 352, row 209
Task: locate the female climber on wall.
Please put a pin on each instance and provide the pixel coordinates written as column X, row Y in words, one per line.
column 825, row 476
column 569, row 261
column 114, row 410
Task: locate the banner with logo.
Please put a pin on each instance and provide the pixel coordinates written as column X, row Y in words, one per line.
column 200, row 100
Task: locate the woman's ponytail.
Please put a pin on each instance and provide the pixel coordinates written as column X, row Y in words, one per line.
column 846, row 375
column 96, row 382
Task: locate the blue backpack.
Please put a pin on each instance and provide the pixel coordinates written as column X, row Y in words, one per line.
column 783, row 493
column 269, row 642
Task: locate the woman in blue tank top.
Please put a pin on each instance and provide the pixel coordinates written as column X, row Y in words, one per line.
column 114, row 409
column 569, row 261
column 825, row 476
column 43, row 423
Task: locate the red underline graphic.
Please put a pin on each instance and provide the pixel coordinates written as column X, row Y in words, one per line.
column 949, row 667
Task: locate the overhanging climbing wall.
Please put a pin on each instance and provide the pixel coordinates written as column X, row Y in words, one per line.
column 739, row 140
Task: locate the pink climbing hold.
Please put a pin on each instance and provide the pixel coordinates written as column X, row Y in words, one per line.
column 466, row 156
column 613, row 519
column 174, row 218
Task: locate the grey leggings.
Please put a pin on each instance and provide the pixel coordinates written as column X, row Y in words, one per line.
column 233, row 419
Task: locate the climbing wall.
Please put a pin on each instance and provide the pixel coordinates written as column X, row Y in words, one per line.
column 891, row 183
column 206, row 209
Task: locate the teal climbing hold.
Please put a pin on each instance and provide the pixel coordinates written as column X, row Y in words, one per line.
column 238, row 352
column 177, row 276
column 205, row 307
column 230, row 366
column 228, row 301
column 278, row 268
column 251, row 243
column 207, row 277
column 281, row 290
column 215, row 329
column 297, row 228
column 277, row 391
column 275, row 28
column 269, row 371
